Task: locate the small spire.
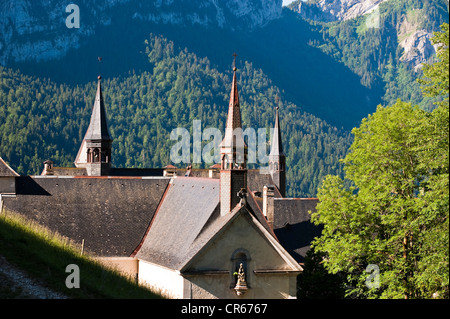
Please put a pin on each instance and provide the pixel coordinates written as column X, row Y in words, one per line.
column 277, row 145
column 98, row 127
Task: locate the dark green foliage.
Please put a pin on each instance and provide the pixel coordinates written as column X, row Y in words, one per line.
column 316, row 283
column 395, row 215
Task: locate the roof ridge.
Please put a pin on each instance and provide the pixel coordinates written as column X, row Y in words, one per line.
column 8, row 171
column 139, row 246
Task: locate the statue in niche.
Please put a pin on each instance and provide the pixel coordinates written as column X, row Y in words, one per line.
column 241, row 285
column 241, row 274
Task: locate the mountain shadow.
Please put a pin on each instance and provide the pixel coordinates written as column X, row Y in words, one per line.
column 307, row 77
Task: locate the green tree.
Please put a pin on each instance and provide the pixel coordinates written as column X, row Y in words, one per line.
column 395, row 213
column 316, row 283
column 436, row 81
column 435, row 148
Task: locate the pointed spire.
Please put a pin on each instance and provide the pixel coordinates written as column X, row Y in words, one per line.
column 234, row 111
column 276, row 148
column 277, row 158
column 97, row 130
column 234, row 115
column 98, row 127
column 233, row 152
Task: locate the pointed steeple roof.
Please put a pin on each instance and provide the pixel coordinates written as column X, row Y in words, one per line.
column 234, row 115
column 276, row 148
column 98, row 127
column 234, row 110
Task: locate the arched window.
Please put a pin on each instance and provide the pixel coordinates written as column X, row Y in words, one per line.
column 276, row 166
column 225, row 161
column 89, row 156
column 95, row 155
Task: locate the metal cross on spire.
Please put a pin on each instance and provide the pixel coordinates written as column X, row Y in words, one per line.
column 99, row 64
column 234, row 62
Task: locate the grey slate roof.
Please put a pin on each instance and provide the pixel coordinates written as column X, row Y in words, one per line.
column 110, row 214
column 73, row 171
column 136, row 172
column 292, row 224
column 256, row 181
column 189, row 205
column 255, row 184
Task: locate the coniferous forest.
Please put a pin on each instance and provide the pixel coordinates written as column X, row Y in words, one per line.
column 43, row 120
column 333, row 75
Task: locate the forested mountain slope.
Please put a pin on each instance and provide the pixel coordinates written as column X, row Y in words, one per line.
column 385, row 45
column 43, row 120
column 272, row 38
column 166, row 63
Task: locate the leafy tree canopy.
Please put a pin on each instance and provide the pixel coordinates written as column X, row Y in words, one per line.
column 392, row 209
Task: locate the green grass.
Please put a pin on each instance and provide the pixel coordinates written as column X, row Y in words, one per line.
column 44, row 255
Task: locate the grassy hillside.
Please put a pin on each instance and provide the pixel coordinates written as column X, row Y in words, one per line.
column 44, row 256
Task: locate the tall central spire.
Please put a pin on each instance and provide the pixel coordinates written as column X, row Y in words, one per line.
column 233, row 126
column 98, row 128
column 234, row 114
column 233, row 152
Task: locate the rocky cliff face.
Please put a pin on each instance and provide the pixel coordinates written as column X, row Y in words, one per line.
column 415, row 41
column 417, row 48
column 35, row 30
column 233, row 14
column 412, row 37
column 333, row 10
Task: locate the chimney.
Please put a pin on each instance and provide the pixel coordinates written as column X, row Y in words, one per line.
column 48, row 168
column 268, row 209
column 170, row 171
